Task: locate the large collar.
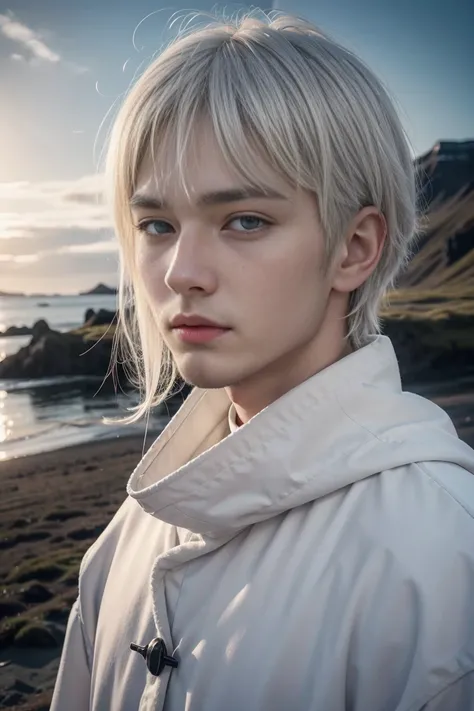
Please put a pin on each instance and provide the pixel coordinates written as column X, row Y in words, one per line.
column 328, row 432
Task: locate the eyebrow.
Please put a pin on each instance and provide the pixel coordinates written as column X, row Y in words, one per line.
column 216, row 197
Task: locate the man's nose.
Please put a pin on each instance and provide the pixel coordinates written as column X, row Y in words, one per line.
column 192, row 265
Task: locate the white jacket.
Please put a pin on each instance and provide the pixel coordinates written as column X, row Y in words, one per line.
column 318, row 558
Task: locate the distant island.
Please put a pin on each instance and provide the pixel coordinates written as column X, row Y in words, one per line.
column 99, row 290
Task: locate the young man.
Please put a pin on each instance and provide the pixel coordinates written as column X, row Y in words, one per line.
column 301, row 533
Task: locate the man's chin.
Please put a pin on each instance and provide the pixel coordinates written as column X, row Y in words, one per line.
column 208, row 378
column 204, row 381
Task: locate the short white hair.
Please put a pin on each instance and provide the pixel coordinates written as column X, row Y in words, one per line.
column 279, row 88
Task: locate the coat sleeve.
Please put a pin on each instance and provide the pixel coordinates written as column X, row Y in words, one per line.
column 72, row 687
column 458, row 696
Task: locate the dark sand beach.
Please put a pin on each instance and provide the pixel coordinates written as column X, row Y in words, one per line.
column 53, row 506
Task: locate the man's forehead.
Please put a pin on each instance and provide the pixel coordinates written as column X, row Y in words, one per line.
column 147, row 199
column 161, row 181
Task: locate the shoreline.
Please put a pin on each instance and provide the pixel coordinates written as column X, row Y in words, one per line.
column 87, row 439
column 88, row 449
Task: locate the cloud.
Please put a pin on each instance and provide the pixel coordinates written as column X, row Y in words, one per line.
column 22, row 258
column 26, row 258
column 87, row 185
column 89, row 189
column 58, row 241
column 30, row 209
column 56, row 236
column 77, row 68
column 33, row 43
column 27, row 38
column 59, row 273
column 105, row 247
column 17, row 225
column 30, row 253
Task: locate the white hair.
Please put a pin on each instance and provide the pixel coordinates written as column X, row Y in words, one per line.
column 281, row 89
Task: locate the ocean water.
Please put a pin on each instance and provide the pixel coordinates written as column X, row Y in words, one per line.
column 46, row 414
column 61, row 312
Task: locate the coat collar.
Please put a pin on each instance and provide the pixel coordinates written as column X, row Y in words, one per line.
column 342, row 425
column 199, row 476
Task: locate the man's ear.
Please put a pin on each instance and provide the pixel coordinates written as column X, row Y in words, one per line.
column 361, row 251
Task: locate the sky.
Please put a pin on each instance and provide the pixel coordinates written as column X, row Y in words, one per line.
column 64, row 65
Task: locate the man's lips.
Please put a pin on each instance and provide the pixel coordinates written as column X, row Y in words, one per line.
column 199, row 334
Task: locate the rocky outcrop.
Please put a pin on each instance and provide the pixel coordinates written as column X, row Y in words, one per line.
column 103, row 317
column 84, row 352
column 17, row 331
column 51, row 353
column 430, row 317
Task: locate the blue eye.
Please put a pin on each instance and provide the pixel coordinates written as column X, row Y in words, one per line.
column 144, row 226
column 249, row 217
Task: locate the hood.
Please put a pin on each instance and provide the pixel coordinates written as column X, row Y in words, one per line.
column 348, row 422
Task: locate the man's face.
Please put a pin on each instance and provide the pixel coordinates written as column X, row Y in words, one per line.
column 254, row 266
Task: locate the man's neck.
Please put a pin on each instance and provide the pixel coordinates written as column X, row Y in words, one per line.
column 253, row 395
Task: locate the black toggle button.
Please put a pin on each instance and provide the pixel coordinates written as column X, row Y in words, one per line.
column 156, row 655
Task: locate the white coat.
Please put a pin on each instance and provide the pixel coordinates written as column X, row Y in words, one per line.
column 318, row 558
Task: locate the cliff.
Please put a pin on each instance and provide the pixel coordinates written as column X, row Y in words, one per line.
column 430, row 316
